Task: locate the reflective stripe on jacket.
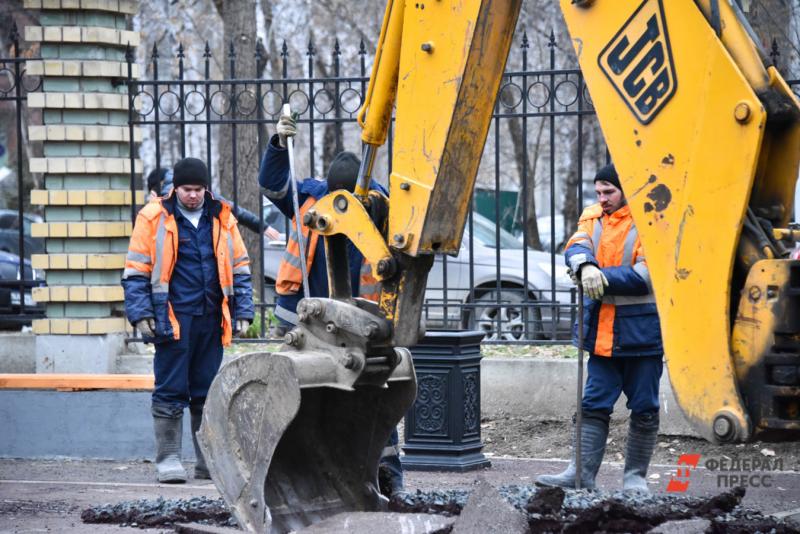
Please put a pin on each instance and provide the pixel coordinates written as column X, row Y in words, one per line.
column 290, row 274
column 625, row 322
column 290, row 277
column 152, row 253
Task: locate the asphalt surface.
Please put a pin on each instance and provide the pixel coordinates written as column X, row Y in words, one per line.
column 48, row 496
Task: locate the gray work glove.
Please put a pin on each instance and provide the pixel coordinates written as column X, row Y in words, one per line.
column 147, row 327
column 241, row 327
column 286, row 127
column 593, row 280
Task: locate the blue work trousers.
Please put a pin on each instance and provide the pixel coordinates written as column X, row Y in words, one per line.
column 636, row 376
column 392, row 462
column 185, row 368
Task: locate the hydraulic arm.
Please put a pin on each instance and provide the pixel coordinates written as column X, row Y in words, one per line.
column 295, row 436
column 706, row 137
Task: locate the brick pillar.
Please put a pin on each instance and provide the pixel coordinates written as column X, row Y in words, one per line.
column 86, row 167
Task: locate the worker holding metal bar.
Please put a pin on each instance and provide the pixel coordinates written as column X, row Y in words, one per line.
column 621, row 334
column 305, row 258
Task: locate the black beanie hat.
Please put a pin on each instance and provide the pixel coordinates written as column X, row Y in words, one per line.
column 190, row 171
column 608, row 174
column 343, row 172
column 155, row 178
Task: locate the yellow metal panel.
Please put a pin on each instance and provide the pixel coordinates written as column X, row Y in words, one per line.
column 667, row 112
column 344, row 214
column 451, row 64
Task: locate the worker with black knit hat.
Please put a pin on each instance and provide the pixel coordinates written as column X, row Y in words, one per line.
column 185, row 295
column 276, row 185
column 622, row 335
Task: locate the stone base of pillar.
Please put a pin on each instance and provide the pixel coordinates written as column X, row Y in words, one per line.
column 79, row 354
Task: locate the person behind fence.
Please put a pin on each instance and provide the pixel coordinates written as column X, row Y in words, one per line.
column 187, row 290
column 277, row 187
column 159, row 184
column 621, row 334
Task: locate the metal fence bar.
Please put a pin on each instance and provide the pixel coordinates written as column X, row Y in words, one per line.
column 544, row 310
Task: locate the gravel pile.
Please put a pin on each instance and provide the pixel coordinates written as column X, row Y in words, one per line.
column 158, row 512
column 581, row 511
column 547, row 509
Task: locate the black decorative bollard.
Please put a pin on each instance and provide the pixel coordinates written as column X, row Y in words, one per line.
column 443, row 427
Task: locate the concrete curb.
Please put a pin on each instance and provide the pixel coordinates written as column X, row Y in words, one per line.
column 116, row 425
column 547, row 389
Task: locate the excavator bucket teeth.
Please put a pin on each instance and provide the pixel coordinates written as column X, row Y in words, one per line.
column 286, row 454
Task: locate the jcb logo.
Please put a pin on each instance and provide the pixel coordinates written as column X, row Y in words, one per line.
column 638, row 62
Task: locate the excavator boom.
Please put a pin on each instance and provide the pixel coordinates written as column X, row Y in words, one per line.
column 295, row 436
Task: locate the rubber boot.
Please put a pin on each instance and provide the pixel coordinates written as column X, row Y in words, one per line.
column 200, row 468
column 642, row 437
column 169, row 431
column 594, row 431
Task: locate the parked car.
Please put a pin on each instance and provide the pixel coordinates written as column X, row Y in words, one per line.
column 10, row 298
column 9, row 233
column 522, row 312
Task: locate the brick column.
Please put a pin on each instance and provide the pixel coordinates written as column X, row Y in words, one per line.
column 86, row 167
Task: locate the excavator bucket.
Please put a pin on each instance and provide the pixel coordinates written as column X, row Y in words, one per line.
column 290, row 438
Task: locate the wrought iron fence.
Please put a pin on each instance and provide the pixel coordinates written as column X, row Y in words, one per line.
column 17, row 278
column 498, row 282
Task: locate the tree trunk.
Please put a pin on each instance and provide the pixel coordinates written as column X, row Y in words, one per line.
column 520, row 148
column 571, row 207
column 239, row 26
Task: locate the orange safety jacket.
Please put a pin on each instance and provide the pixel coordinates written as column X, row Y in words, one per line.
column 152, row 253
column 290, row 275
column 625, row 322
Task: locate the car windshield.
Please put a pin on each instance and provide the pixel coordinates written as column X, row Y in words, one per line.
column 486, row 232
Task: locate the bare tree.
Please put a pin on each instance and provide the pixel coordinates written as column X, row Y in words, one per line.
column 13, row 19
column 237, row 149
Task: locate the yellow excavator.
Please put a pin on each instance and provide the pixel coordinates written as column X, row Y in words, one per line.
column 706, row 137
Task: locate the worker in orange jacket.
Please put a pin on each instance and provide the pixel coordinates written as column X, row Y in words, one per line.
column 621, row 333
column 187, row 290
column 276, row 185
